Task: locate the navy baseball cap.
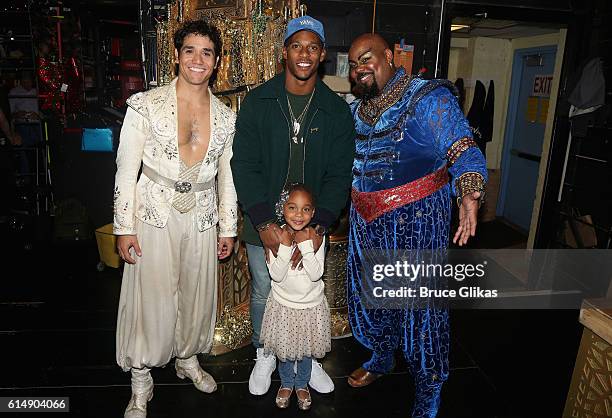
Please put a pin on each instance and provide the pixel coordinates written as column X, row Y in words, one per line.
column 305, row 23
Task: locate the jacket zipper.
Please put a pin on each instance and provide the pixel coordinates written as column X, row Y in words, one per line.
column 305, row 142
column 288, row 126
column 304, row 139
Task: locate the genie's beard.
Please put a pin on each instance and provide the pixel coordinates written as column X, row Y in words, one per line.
column 366, row 92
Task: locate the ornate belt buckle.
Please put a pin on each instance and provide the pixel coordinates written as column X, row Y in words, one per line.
column 182, row 186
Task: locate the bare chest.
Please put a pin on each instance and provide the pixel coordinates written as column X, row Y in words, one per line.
column 193, row 132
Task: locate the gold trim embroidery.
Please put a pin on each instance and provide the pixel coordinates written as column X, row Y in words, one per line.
column 458, row 148
column 467, row 183
column 371, row 110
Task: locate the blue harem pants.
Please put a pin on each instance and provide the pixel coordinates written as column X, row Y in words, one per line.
column 423, row 332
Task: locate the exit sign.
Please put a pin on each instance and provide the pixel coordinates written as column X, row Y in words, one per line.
column 541, row 85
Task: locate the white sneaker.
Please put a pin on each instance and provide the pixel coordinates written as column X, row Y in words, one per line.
column 261, row 376
column 319, row 380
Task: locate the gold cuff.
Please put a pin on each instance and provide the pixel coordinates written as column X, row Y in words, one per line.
column 468, row 183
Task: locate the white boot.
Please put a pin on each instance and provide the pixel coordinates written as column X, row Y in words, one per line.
column 319, row 380
column 142, row 392
column 190, row 367
column 261, row 376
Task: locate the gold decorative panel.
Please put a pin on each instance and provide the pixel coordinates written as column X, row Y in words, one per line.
column 234, row 279
column 335, row 285
column 590, row 394
column 251, row 34
column 252, row 48
column 165, row 55
column 233, row 327
column 335, row 274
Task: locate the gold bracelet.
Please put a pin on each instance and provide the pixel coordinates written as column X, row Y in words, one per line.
column 469, row 183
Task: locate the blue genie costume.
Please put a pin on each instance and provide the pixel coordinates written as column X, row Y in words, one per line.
column 414, row 151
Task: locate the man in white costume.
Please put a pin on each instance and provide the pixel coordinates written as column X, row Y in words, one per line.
column 166, row 222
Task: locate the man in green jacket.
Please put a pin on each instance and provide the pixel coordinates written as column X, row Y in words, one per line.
column 292, row 129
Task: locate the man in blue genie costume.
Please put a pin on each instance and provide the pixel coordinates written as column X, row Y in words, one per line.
column 414, row 151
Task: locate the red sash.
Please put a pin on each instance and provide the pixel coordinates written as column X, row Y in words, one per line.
column 371, row 205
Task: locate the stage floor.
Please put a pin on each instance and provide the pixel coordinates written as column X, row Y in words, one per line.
column 57, row 330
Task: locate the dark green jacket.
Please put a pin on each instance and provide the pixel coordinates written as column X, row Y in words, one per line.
column 261, row 153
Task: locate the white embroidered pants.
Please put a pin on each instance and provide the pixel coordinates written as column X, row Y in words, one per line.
column 168, row 301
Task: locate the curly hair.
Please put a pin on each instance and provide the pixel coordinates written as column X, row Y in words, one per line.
column 198, row 27
column 301, row 187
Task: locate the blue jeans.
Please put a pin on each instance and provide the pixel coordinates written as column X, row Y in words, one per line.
column 31, row 136
column 289, row 379
column 260, row 288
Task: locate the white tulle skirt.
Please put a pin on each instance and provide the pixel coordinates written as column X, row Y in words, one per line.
column 292, row 334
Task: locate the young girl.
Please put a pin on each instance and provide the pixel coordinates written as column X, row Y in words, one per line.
column 296, row 322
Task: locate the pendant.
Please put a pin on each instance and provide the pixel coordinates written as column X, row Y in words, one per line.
column 296, row 128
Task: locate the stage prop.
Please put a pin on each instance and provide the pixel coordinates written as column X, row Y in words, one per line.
column 335, row 280
column 590, row 393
